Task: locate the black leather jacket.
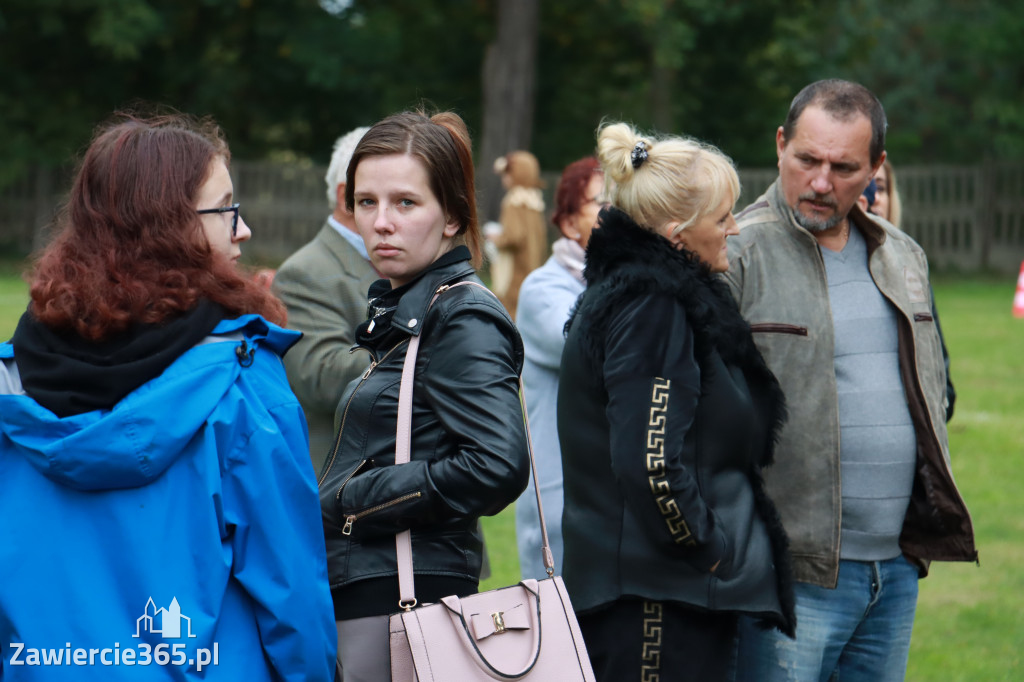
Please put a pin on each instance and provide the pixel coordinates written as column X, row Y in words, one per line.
column 666, row 414
column 468, row 452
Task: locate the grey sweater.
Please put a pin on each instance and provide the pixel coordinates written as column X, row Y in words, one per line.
column 877, row 444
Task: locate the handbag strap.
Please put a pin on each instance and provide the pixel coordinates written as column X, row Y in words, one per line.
column 403, row 438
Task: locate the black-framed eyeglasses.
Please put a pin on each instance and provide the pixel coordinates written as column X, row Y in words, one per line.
column 233, row 208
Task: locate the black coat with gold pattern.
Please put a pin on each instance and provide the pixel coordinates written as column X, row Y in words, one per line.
column 666, row 415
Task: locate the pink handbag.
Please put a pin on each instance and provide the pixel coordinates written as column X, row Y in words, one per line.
column 524, row 632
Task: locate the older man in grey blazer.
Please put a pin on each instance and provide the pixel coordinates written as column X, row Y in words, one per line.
column 324, row 286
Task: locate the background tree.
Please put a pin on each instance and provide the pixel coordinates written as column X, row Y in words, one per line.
column 509, row 75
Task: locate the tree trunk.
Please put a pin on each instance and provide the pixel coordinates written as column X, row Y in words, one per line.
column 662, row 78
column 509, row 75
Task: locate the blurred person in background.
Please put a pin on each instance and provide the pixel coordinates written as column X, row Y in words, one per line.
column 887, row 203
column 522, row 242
column 545, row 299
column 153, row 457
column 666, row 415
column 323, row 285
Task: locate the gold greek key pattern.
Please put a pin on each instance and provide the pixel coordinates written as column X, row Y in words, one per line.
column 650, row 667
column 656, row 477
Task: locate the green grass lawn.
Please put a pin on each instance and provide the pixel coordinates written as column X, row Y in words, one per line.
column 13, row 297
column 970, row 620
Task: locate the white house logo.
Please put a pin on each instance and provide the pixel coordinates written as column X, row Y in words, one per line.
column 163, row 622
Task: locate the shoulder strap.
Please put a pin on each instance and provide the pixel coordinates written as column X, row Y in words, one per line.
column 403, row 437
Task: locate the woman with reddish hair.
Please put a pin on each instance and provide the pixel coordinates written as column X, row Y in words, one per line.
column 154, row 460
column 546, row 297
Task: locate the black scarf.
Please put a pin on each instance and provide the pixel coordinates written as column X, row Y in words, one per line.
column 69, row 375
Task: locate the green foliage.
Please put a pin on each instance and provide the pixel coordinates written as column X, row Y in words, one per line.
column 279, row 75
column 948, row 73
column 286, row 77
column 600, row 60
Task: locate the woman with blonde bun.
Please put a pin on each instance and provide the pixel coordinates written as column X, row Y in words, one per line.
column 666, row 415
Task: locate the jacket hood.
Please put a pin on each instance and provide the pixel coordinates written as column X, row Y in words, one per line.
column 133, row 443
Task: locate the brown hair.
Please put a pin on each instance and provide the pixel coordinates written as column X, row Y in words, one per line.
column 842, row 100
column 441, row 142
column 130, row 247
column 572, row 186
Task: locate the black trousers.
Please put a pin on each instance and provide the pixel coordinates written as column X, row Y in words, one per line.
column 634, row 640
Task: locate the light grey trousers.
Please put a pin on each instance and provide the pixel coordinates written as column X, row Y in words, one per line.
column 364, row 649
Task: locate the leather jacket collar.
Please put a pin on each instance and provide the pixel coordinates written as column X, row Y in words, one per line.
column 410, row 301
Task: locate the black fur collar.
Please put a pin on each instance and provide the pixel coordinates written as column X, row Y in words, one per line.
column 625, row 261
column 618, row 240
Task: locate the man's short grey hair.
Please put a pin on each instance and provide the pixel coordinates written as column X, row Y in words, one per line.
column 343, row 148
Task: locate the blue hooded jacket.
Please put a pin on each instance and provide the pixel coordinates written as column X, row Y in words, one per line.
column 181, row 527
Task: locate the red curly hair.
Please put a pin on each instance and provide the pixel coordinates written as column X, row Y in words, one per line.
column 130, row 247
column 572, row 186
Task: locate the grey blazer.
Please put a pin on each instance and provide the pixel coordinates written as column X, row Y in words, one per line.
column 323, row 285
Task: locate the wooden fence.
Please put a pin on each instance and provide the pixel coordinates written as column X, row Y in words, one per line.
column 967, row 218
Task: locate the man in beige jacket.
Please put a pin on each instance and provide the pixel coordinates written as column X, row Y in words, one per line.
column 839, row 306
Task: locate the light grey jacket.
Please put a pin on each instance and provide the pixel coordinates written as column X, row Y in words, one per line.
column 545, row 300
column 323, row 285
column 777, row 275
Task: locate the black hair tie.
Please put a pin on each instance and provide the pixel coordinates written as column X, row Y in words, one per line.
column 639, row 154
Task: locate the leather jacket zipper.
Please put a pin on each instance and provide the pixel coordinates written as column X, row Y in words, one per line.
column 352, row 518
column 778, row 328
column 364, row 377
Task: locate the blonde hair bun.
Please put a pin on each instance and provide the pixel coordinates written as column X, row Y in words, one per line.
column 683, row 179
column 615, row 145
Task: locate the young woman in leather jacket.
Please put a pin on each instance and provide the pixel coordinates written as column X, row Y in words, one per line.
column 666, row 414
column 410, row 186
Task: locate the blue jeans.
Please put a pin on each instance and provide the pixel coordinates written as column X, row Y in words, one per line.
column 858, row 632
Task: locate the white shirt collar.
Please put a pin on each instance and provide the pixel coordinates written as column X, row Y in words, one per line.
column 350, row 236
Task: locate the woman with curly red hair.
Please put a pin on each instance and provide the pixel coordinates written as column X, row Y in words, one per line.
column 154, row 458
